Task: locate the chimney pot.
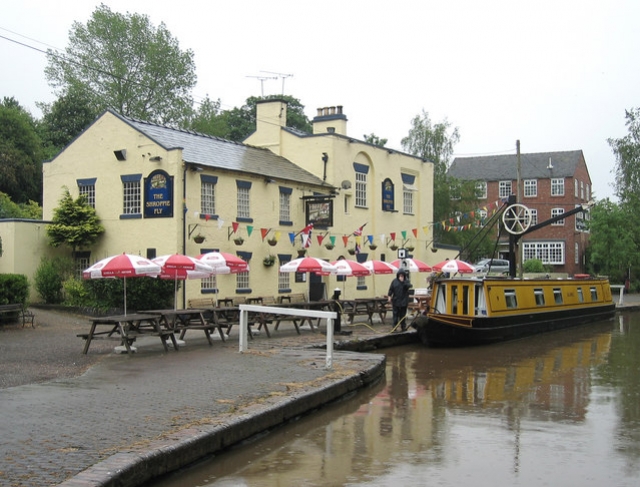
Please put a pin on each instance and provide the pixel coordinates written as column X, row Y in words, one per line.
column 332, row 110
column 340, row 109
column 319, row 112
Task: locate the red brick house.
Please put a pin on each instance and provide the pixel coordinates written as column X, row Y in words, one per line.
column 551, row 183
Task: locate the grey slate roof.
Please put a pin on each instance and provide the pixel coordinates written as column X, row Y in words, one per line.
column 217, row 153
column 505, row 167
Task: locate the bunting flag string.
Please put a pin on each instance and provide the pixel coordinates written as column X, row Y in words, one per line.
column 345, row 240
column 264, row 232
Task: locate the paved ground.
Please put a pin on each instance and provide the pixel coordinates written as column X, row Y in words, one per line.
column 64, row 412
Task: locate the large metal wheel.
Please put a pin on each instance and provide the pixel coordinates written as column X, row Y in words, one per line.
column 517, row 219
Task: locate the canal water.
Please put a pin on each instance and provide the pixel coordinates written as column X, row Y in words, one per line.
column 556, row 409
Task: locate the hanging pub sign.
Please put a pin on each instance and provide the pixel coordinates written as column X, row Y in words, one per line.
column 388, row 197
column 319, row 212
column 158, row 195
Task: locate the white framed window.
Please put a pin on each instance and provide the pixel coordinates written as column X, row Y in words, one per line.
column 361, row 179
column 131, row 199
column 588, row 192
column 209, row 283
column 243, row 199
column 481, row 218
column 530, row 188
column 285, row 204
column 87, row 188
column 582, row 190
column 575, row 188
column 408, row 188
column 284, row 282
column 242, row 280
column 551, row 253
column 557, row 212
column 208, row 194
column 557, row 187
column 504, row 189
column 534, row 216
column 481, row 190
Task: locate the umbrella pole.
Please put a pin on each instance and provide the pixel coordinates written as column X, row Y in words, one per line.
column 125, row 295
column 175, row 292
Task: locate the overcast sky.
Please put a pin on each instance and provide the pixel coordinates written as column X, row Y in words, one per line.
column 556, row 75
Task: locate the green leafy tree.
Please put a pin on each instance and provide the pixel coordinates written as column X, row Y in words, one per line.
column 613, row 244
column 375, row 140
column 434, row 143
column 9, row 209
column 627, row 152
column 20, row 154
column 64, row 119
column 124, row 62
column 75, row 223
column 207, row 119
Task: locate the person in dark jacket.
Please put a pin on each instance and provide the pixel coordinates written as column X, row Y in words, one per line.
column 398, row 296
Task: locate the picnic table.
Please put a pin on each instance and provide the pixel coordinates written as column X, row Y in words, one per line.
column 129, row 327
column 183, row 320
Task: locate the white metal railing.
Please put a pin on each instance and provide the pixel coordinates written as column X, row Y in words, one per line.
column 621, row 288
column 305, row 313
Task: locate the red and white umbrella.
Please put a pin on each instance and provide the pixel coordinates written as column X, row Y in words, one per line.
column 181, row 267
column 308, row 264
column 122, row 265
column 346, row 267
column 380, row 267
column 454, row 266
column 224, row 259
column 415, row 265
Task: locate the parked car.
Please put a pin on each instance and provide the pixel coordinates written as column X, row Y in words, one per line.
column 495, row 266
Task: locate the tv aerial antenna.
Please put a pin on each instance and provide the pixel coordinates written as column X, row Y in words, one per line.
column 280, row 75
column 262, row 80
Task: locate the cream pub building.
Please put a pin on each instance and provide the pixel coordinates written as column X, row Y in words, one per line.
column 160, row 190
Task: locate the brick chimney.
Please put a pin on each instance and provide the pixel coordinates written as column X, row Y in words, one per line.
column 330, row 120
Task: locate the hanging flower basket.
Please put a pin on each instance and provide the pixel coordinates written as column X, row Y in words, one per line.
column 373, row 246
column 410, row 248
column 302, row 252
column 269, row 260
column 329, row 246
column 272, row 242
column 198, row 239
column 352, row 251
column 238, row 241
column 393, row 247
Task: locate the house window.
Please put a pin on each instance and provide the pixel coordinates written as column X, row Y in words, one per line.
column 534, row 217
column 243, row 200
column 87, row 188
column 481, row 190
column 557, row 187
column 504, row 189
column 284, row 282
column 575, row 188
column 209, row 283
column 362, row 173
column 131, row 194
column 557, row 212
column 581, row 190
column 285, row 205
column 408, row 188
column 576, row 252
column 81, row 262
column 550, row 253
column 208, row 194
column 530, row 188
column 481, row 218
column 588, row 192
column 242, row 278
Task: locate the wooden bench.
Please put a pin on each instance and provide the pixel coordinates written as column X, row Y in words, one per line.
column 293, row 298
column 19, row 310
column 202, row 303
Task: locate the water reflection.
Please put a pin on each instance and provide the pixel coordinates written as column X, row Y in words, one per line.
column 564, row 405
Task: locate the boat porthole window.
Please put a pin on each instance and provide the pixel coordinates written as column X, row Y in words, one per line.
column 557, row 295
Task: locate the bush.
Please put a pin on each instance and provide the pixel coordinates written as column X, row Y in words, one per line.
column 50, row 277
column 77, row 293
column 14, row 288
column 142, row 293
column 534, row 266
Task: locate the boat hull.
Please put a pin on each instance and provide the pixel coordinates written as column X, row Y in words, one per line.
column 447, row 330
